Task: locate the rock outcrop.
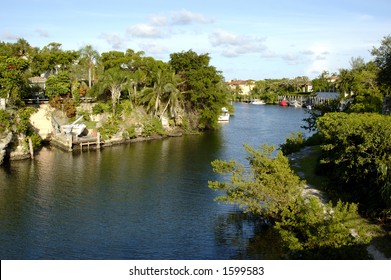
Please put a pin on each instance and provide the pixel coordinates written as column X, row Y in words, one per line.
column 4, row 142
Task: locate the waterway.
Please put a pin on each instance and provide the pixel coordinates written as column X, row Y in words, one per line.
column 146, row 200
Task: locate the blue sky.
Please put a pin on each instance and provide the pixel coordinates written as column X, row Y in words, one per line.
column 247, row 39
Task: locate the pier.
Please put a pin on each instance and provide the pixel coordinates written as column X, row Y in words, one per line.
column 70, row 142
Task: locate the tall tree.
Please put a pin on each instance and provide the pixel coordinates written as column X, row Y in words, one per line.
column 383, row 61
column 202, row 91
column 115, row 81
column 89, row 56
column 51, row 59
column 13, row 83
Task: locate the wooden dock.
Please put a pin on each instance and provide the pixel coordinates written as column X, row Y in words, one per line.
column 71, row 142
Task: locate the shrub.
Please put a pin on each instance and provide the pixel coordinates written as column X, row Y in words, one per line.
column 293, row 143
column 273, row 192
column 153, row 126
column 5, row 121
column 100, row 108
column 109, row 128
column 130, row 132
column 358, row 154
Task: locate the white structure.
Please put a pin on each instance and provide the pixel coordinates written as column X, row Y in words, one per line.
column 242, row 87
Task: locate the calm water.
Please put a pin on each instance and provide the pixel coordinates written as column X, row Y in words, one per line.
column 139, row 201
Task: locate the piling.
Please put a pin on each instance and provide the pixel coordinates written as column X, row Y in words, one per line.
column 31, row 148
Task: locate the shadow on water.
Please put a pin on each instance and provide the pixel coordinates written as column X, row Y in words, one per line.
column 248, row 237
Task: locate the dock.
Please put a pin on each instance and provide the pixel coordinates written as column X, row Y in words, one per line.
column 70, row 142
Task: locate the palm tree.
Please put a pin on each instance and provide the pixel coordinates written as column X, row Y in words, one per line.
column 115, row 81
column 172, row 95
column 152, row 96
column 90, row 56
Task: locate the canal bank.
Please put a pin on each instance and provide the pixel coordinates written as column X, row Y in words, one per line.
column 147, row 200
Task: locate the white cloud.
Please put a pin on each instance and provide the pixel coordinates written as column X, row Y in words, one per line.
column 291, row 58
column 153, row 48
column 234, row 45
column 185, row 17
column 144, row 31
column 9, row 36
column 182, row 17
column 224, row 38
column 42, row 32
column 114, row 40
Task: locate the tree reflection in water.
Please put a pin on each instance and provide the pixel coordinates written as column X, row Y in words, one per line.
column 248, row 237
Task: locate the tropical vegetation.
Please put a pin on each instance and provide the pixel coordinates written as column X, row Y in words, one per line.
column 354, row 139
column 128, row 87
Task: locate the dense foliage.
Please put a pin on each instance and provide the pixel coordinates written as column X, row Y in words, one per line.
column 185, row 89
column 204, row 90
column 272, row 191
column 358, row 155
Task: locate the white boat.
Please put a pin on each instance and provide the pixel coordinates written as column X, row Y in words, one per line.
column 295, row 104
column 258, row 102
column 224, row 116
column 74, row 128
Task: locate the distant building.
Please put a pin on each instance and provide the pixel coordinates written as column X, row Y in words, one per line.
column 241, row 87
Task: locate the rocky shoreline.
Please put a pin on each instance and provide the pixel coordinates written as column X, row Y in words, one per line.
column 13, row 147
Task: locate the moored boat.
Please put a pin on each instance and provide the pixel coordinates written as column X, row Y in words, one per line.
column 283, row 103
column 224, row 116
column 258, row 102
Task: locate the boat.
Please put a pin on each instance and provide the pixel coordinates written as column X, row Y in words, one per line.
column 258, row 102
column 295, row 104
column 224, row 116
column 308, row 106
column 283, row 103
column 74, row 128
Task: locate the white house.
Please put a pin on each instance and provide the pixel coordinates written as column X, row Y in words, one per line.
column 242, row 87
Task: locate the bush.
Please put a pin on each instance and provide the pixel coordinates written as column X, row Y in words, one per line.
column 35, row 139
column 130, row 132
column 273, row 192
column 100, row 108
column 357, row 151
column 109, row 128
column 5, row 121
column 293, row 143
column 153, row 126
column 313, row 230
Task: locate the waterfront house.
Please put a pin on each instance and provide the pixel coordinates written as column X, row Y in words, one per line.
column 241, row 87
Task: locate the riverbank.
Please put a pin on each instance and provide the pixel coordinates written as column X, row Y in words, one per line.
column 304, row 164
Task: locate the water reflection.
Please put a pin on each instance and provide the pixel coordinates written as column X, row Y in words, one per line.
column 248, row 236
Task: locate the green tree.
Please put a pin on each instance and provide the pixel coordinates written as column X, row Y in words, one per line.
column 383, row 61
column 89, row 58
column 357, row 155
column 13, row 83
column 51, row 59
column 58, row 85
column 360, row 84
column 202, row 87
column 321, row 83
column 115, row 81
column 312, row 230
column 267, row 190
column 271, row 191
